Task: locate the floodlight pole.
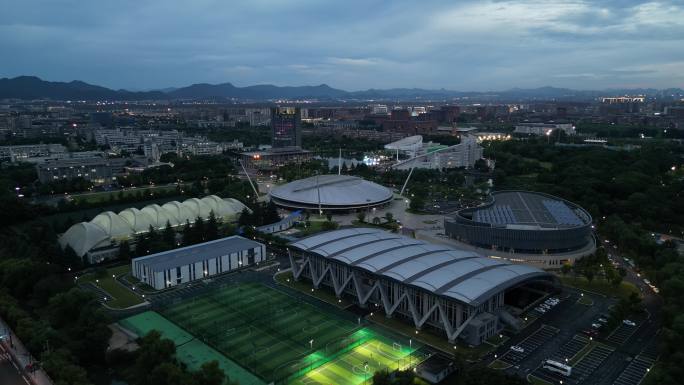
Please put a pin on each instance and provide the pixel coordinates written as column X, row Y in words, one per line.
column 256, row 194
column 401, row 193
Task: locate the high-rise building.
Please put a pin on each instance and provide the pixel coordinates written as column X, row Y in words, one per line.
column 286, row 123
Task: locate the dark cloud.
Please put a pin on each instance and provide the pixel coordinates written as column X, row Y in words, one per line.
column 352, row 44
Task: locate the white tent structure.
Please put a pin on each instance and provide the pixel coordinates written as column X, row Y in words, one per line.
column 109, row 228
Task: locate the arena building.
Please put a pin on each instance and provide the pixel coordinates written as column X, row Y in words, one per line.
column 525, row 227
column 98, row 239
column 458, row 293
column 331, row 193
column 174, row 267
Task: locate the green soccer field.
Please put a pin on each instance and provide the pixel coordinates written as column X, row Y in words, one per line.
column 264, row 330
column 357, row 365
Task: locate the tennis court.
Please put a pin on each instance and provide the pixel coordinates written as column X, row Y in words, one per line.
column 265, row 330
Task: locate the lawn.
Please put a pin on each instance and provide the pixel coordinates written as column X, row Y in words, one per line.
column 537, row 381
column 121, row 296
column 585, row 300
column 305, row 287
column 600, row 285
column 436, row 341
column 313, row 228
column 499, row 365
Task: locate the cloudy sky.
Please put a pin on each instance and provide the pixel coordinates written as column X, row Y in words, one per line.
column 349, row 44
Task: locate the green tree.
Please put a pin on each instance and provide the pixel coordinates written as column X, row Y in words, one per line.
column 566, row 268
column 124, row 250
column 416, row 203
column 169, row 236
column 210, row 374
column 211, row 229
column 361, row 216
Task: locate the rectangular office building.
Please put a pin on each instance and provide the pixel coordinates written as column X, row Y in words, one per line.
column 174, row 267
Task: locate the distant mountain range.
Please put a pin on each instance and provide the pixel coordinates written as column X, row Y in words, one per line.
column 33, row 88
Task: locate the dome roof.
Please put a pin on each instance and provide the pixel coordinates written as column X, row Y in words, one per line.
column 214, row 203
column 197, row 207
column 234, row 207
column 108, row 226
column 83, row 237
column 159, row 216
column 113, row 225
column 138, row 220
column 331, row 192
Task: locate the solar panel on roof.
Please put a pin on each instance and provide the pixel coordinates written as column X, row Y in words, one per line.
column 500, row 215
column 561, row 213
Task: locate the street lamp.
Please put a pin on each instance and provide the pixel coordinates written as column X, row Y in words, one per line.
column 311, row 343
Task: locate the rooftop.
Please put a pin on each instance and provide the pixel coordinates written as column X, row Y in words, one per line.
column 462, row 275
column 195, row 253
column 521, row 209
column 333, row 190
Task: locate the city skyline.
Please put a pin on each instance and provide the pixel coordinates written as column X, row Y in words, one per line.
column 478, row 46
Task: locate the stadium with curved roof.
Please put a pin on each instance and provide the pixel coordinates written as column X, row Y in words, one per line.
column 431, row 285
column 98, row 238
column 331, row 193
column 527, row 227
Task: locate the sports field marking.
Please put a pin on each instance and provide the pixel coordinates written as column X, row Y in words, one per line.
column 239, row 321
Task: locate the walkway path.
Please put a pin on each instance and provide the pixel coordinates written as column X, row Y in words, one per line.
column 21, row 356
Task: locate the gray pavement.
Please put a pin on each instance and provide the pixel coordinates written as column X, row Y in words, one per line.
column 9, row 372
column 21, row 358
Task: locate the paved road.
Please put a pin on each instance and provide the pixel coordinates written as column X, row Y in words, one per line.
column 9, row 374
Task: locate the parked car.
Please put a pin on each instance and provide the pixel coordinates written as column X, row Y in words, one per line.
column 603, row 320
column 517, row 348
column 590, row 332
column 628, row 322
column 596, row 326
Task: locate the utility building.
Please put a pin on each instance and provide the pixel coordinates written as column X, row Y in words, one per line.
column 174, row 267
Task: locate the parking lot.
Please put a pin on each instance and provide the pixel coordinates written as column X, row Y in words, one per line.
column 635, row 372
column 621, row 334
column 581, row 370
column 637, row 369
column 570, row 349
column 530, row 344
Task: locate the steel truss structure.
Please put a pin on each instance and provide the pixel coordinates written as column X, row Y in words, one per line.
column 430, row 285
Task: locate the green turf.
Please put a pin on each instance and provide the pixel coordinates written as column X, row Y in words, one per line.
column 121, row 296
column 357, row 365
column 263, row 329
column 251, row 326
column 189, row 350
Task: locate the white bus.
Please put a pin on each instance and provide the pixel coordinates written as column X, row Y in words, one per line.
column 557, row 367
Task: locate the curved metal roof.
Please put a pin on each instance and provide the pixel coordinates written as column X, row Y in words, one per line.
column 462, row 275
column 331, row 191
